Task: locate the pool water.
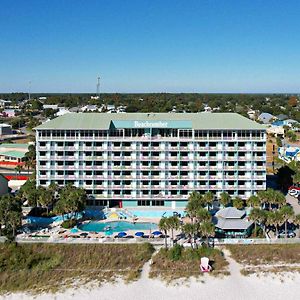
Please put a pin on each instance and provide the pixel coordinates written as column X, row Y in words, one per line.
column 117, row 226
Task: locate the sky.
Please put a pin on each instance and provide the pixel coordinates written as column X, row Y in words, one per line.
column 216, row 46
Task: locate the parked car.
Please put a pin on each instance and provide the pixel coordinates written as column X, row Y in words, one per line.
column 290, row 234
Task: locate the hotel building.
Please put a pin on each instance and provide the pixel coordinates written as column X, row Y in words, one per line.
column 152, row 159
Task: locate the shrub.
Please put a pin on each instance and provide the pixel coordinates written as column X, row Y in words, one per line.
column 175, row 252
column 68, row 223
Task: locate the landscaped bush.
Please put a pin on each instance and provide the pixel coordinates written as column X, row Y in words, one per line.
column 69, row 223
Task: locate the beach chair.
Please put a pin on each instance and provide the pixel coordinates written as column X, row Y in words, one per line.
column 204, row 265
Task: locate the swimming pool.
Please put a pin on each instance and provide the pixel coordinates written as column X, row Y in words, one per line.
column 117, row 226
column 155, row 213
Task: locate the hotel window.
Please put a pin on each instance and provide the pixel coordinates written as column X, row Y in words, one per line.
column 144, row 203
column 158, row 203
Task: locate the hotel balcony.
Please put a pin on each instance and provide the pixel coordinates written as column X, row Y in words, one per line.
column 230, row 158
column 259, row 158
column 43, row 148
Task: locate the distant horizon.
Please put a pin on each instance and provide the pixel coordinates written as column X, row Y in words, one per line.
column 145, row 93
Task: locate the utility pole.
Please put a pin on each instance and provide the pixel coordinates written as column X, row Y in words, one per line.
column 29, row 90
column 98, row 87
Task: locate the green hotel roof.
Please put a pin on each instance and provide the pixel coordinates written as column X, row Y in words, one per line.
column 13, row 153
column 20, row 146
column 197, row 120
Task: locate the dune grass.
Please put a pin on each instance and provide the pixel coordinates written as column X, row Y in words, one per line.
column 170, row 265
column 50, row 267
column 266, row 258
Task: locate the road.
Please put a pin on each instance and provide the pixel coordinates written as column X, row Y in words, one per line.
column 294, row 202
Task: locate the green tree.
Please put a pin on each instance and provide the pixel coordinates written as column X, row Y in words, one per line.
column 164, row 225
column 297, row 221
column 202, row 215
column 225, row 199
column 253, row 201
column 18, row 169
column 238, row 203
column 287, row 213
column 208, row 198
column 45, row 198
column 207, row 230
column 174, row 224
column 194, row 203
column 190, row 230
column 255, row 216
column 10, row 215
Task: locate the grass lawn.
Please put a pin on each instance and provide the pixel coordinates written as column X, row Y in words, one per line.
column 171, row 265
column 49, row 267
column 266, row 258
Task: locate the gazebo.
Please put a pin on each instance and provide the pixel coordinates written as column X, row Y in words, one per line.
column 232, row 222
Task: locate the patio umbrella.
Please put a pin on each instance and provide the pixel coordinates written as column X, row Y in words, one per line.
column 74, row 230
column 108, row 232
column 156, row 232
column 122, row 234
column 139, row 233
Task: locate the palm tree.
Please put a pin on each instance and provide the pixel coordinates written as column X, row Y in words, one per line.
column 255, row 216
column 190, row 230
column 262, row 218
column 253, row 201
column 174, row 224
column 225, row 199
column 18, row 169
column 164, row 226
column 238, row 203
column 208, row 199
column 194, row 203
column 207, row 229
column 287, row 214
column 202, row 215
column 279, row 199
column 275, row 218
column 297, row 221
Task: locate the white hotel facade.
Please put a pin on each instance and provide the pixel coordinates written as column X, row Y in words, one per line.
column 154, row 159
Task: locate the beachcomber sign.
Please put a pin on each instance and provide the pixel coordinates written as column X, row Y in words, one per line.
column 147, row 124
column 151, row 124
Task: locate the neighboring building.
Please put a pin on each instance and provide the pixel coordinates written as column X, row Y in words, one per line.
column 9, row 113
column 252, row 114
column 4, row 103
column 42, row 98
column 110, row 107
column 12, row 154
column 289, row 153
column 50, row 106
column 281, row 117
column 3, row 185
column 95, row 97
column 89, row 108
column 5, row 129
column 266, row 118
column 152, row 159
column 232, row 222
column 62, row 111
column 276, row 130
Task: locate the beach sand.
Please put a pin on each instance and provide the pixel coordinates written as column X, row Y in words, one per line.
column 252, row 287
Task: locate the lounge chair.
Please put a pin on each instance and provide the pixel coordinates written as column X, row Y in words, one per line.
column 204, row 264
